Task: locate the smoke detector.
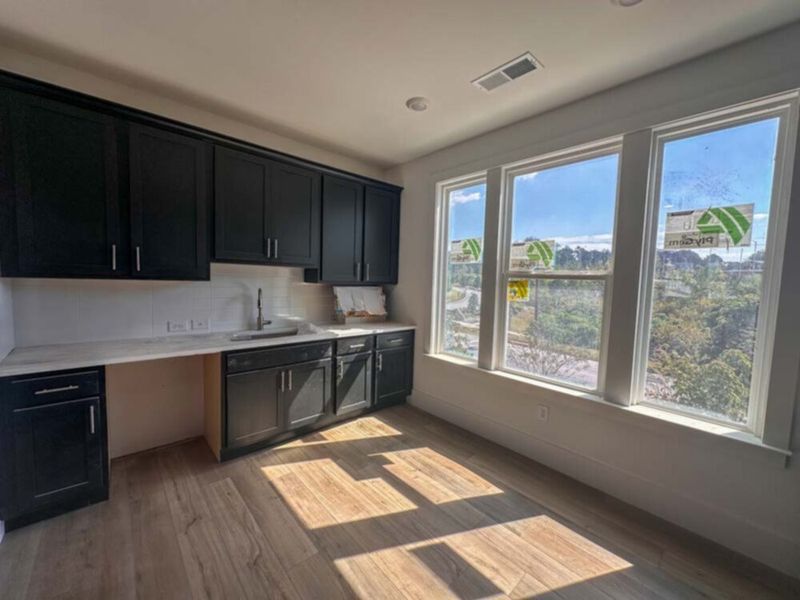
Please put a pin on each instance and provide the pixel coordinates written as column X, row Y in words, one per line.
column 508, row 72
column 417, row 103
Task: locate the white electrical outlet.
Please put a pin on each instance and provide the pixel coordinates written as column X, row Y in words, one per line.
column 199, row 324
column 544, row 412
column 176, row 326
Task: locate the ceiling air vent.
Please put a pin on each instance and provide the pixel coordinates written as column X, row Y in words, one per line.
column 507, row 72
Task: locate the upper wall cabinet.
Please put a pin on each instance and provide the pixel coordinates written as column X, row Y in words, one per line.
column 169, row 186
column 265, row 211
column 64, row 191
column 360, row 233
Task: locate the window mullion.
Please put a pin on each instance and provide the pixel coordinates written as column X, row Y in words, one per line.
column 491, row 272
column 622, row 298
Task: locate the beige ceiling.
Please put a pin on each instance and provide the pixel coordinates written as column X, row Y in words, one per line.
column 338, row 72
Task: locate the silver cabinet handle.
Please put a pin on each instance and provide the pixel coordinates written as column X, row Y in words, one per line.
column 380, row 362
column 113, row 257
column 91, row 419
column 355, row 346
column 290, row 380
column 367, row 277
column 340, row 371
column 269, row 247
column 283, row 381
column 138, row 258
column 358, row 271
column 276, row 248
column 66, row 388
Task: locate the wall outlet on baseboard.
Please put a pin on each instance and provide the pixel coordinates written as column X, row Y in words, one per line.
column 543, row 412
column 199, row 324
column 176, row 326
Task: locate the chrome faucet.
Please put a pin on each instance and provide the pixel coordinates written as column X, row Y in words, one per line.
column 260, row 319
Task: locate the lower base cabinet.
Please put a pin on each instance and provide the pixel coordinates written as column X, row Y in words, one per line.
column 54, row 446
column 353, row 383
column 273, row 394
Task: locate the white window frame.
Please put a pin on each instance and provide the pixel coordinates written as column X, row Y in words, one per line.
column 505, row 273
column 439, row 301
column 786, row 109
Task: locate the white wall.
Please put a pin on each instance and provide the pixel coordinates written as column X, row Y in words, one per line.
column 741, row 496
column 27, row 64
column 55, row 311
column 7, row 336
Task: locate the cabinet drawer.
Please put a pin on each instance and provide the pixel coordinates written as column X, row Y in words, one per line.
column 274, row 357
column 353, row 345
column 44, row 389
column 395, row 340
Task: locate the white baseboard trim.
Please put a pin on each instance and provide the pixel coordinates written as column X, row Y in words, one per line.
column 723, row 527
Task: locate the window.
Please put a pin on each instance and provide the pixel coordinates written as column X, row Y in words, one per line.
column 710, row 261
column 462, row 218
column 694, row 269
column 559, row 253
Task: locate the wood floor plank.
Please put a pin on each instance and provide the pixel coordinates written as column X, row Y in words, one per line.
column 395, row 505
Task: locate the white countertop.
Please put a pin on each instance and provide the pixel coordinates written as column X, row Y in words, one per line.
column 57, row 357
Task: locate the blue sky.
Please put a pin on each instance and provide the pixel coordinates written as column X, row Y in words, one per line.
column 574, row 204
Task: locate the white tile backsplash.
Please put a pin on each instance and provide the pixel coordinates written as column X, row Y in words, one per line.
column 54, row 311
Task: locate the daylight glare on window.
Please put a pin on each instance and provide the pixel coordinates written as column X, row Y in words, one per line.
column 466, row 208
column 713, row 213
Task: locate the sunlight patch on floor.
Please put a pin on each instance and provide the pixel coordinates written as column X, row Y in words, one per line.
column 485, row 562
column 347, row 499
column 363, row 429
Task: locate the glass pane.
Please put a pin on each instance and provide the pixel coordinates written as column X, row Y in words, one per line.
column 554, row 330
column 563, row 217
column 466, row 211
column 714, row 210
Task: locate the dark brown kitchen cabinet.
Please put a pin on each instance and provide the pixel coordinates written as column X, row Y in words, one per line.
column 253, row 407
column 381, row 233
column 61, row 171
column 53, row 440
column 265, row 211
column 394, row 367
column 360, row 234
column 169, row 189
column 353, row 382
column 307, row 393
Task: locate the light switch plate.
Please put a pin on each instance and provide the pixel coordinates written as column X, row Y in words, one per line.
column 176, row 326
column 199, row 324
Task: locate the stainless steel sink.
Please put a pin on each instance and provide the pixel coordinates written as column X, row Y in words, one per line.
column 267, row 332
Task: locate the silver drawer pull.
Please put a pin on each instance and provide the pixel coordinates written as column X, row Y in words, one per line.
column 357, row 345
column 396, row 341
column 290, row 380
column 66, row 388
column 91, row 419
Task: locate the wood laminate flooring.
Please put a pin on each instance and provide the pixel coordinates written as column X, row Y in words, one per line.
column 393, row 505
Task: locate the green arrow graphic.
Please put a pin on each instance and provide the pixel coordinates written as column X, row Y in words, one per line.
column 540, row 251
column 472, row 247
column 730, row 221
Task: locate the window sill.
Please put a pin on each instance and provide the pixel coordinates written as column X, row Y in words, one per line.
column 649, row 414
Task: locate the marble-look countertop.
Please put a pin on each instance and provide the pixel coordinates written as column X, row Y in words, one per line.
column 56, row 357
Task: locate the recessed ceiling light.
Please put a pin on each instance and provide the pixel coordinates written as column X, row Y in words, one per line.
column 625, row 3
column 417, row 103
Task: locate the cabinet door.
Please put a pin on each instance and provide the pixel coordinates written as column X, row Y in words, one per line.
column 342, row 230
column 169, row 205
column 295, row 216
column 308, row 393
column 252, row 407
column 393, row 375
column 353, row 382
column 381, row 233
column 241, row 189
column 58, row 452
column 66, row 188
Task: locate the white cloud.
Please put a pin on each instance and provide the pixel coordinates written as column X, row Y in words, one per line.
column 459, row 197
column 527, row 176
column 760, row 216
